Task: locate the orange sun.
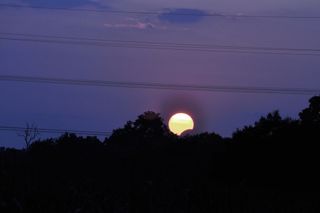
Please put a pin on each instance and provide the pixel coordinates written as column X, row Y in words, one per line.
column 180, row 122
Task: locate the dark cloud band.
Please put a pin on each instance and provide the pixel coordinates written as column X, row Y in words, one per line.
column 182, row 15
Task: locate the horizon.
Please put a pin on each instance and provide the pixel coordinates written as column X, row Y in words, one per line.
column 104, row 135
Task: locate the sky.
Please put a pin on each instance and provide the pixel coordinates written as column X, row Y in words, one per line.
column 106, row 108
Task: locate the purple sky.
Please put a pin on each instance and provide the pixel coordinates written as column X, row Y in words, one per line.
column 104, row 109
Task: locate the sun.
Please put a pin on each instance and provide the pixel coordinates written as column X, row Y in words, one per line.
column 180, row 122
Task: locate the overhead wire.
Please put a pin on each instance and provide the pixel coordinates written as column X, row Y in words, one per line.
column 210, row 48
column 161, row 46
column 54, row 131
column 197, row 45
column 161, row 86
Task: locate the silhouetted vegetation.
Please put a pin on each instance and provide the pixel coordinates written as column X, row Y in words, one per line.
column 271, row 166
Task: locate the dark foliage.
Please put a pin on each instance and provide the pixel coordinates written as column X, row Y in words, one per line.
column 270, row 166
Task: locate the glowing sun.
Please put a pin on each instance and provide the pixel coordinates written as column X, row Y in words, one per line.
column 180, row 122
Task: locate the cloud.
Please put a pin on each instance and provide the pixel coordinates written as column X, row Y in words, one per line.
column 139, row 25
column 182, row 15
column 61, row 3
column 134, row 23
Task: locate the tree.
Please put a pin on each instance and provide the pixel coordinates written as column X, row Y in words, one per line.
column 150, row 124
column 30, row 134
column 265, row 127
column 311, row 115
column 146, row 129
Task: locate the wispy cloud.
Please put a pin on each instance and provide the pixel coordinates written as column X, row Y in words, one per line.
column 134, row 23
column 139, row 25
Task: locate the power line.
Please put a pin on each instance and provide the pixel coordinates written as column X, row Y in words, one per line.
column 56, row 131
column 210, row 48
column 157, row 13
column 196, row 45
column 161, row 86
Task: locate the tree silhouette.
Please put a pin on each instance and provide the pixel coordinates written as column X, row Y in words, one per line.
column 150, row 124
column 266, row 128
column 311, row 115
column 270, row 166
column 147, row 129
column 30, row 134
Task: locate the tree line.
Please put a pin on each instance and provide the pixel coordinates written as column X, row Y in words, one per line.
column 270, row 166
